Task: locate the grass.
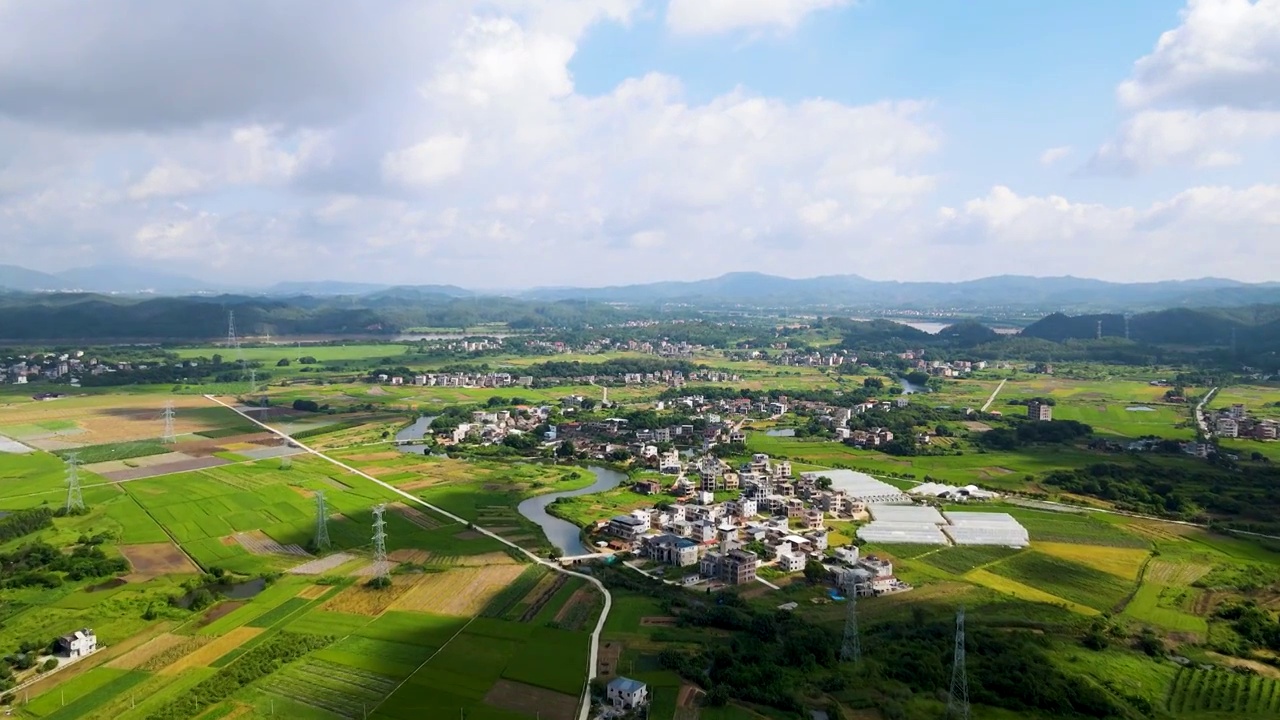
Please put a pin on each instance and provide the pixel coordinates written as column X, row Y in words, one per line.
column 84, row 692
column 1065, row 579
column 1150, row 605
column 960, row 560
column 552, row 659
column 1022, row 591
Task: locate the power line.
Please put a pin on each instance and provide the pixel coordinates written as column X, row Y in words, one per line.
column 958, row 700
column 380, row 568
column 322, row 523
column 75, row 500
column 851, row 650
column 170, row 435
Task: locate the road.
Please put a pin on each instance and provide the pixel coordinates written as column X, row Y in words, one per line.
column 594, row 655
column 1200, row 420
column 996, row 392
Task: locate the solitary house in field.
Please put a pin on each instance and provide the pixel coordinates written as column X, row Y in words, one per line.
column 625, row 693
column 78, row 643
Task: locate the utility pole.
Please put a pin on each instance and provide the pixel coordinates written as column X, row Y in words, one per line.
column 958, row 699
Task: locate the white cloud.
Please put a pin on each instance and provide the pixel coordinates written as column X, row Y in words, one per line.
column 1208, row 92
column 167, row 179
column 1212, row 138
column 1225, row 53
column 1054, row 154
column 428, row 162
column 698, row 17
column 1200, row 231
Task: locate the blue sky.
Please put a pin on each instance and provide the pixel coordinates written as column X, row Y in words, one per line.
column 535, row 142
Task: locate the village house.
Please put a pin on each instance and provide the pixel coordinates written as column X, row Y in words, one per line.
column 626, row 694
column 78, row 644
column 670, row 549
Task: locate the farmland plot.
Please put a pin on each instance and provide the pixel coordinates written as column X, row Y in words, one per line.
column 460, row 592
column 320, row 566
column 259, row 544
column 339, row 689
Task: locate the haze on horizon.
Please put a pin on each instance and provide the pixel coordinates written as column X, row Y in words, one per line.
column 521, row 143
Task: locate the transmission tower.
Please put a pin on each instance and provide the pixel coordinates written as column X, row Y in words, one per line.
column 851, row 650
column 1126, row 326
column 958, row 701
column 75, row 501
column 1099, row 329
column 322, row 523
column 233, row 343
column 170, row 436
column 379, row 542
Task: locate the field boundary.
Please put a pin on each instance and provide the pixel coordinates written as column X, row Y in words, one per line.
column 585, row 696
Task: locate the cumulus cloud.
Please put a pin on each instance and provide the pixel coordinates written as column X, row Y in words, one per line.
column 479, row 161
column 1214, row 230
column 699, row 17
column 1209, row 89
column 1225, row 53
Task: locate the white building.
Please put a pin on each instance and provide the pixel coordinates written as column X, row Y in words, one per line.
column 78, row 643
column 626, row 694
column 790, row 561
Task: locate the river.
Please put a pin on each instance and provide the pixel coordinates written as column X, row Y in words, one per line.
column 566, row 536
column 413, row 433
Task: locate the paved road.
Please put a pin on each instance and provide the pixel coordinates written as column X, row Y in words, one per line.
column 996, row 392
column 1200, row 420
column 585, row 711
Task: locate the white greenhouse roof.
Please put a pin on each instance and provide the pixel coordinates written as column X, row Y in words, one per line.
column 981, row 528
column 861, row 486
column 933, row 489
column 921, row 533
column 906, row 513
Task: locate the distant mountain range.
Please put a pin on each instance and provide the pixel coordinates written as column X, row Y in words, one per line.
column 734, row 289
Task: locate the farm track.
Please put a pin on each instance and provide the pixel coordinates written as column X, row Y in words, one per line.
column 991, row 400
column 593, row 655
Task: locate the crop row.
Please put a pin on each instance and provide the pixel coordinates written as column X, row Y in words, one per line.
column 1215, row 690
column 515, row 592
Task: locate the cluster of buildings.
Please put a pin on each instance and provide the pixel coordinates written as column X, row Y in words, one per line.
column 461, row 379
column 493, row 427
column 1237, row 422
column 776, row 519
column 940, row 368
column 22, row 369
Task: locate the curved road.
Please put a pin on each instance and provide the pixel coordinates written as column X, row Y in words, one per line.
column 593, row 657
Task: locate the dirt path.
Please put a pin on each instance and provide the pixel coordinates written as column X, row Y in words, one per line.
column 996, row 392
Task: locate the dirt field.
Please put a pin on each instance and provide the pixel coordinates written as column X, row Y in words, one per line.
column 213, row 650
column 607, row 663
column 311, row 592
column 658, row 621
column 142, row 654
column 582, row 595
column 416, row 557
column 103, row 419
column 519, row 697
column 462, row 591
column 222, row 610
column 156, row 559
column 361, row 600
column 484, row 560
column 416, row 517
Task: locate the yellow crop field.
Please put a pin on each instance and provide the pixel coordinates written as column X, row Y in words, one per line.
column 1176, row 574
column 361, row 600
column 213, row 650
column 461, row 591
column 154, row 647
column 1121, row 562
column 1023, row 592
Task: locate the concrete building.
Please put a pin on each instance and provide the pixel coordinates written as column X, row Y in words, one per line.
column 626, row 694
column 1040, row 412
column 1228, row 427
column 672, row 550
column 78, row 644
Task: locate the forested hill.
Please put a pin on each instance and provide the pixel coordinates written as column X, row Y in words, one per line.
column 1253, row 327
column 75, row 316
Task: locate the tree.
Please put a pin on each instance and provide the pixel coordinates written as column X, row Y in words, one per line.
column 217, row 359
column 873, row 383
column 48, row 665
column 566, row 450
column 282, row 362
column 823, row 482
column 306, row 405
column 814, row 572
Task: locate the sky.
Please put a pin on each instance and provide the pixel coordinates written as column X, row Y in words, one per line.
column 520, row 143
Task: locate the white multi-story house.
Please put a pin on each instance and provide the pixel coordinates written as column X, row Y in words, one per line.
column 626, row 694
column 78, row 643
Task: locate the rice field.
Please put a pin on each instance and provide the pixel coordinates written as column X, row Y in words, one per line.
column 1070, row 581
column 460, row 592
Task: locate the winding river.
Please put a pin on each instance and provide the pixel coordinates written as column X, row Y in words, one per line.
column 566, row 536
